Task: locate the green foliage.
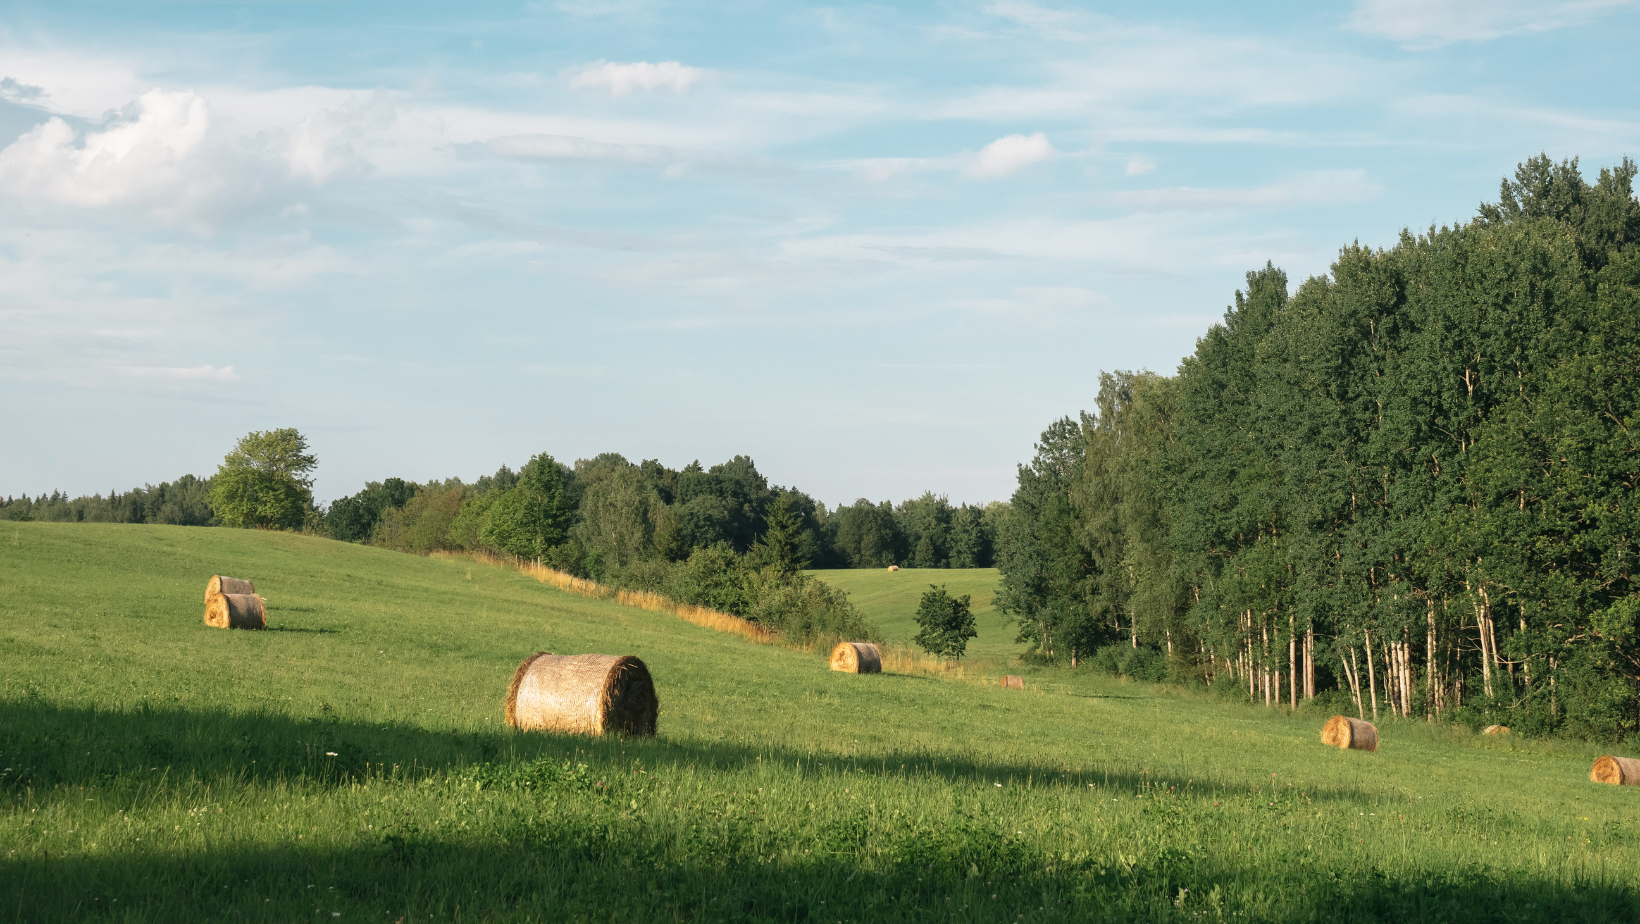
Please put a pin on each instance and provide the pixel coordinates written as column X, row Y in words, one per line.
column 779, row 548
column 1142, row 663
column 867, row 535
column 424, row 523
column 532, row 517
column 354, row 518
column 265, row 481
column 183, row 502
column 946, row 623
column 1419, row 472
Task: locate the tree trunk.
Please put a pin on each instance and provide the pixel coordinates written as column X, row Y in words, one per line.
column 1372, row 678
column 1354, row 677
column 1292, row 661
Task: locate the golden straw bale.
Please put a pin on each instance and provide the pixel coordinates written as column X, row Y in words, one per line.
column 893, row 567
column 236, row 611
column 1351, row 734
column 589, row 694
column 1013, row 682
column 227, row 585
column 857, row 658
column 1495, row 730
column 1618, row 771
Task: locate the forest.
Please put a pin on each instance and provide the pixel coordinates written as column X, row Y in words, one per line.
column 1408, row 485
column 1412, row 480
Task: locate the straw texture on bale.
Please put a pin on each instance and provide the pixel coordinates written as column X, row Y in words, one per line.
column 589, row 694
column 857, row 658
column 236, row 611
column 893, row 567
column 227, row 585
column 1013, row 682
column 1618, row 771
column 1495, row 730
column 1351, row 734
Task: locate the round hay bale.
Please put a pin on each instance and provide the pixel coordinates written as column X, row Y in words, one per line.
column 1495, row 730
column 227, row 585
column 1350, row 734
column 589, row 694
column 236, row 611
column 893, row 567
column 1013, row 682
column 857, row 658
column 1618, row 771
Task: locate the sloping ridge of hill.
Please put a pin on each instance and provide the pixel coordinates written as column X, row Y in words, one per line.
column 351, row 762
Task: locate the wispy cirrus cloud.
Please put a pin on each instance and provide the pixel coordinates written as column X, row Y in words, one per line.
column 1327, row 187
column 626, row 79
column 1434, row 23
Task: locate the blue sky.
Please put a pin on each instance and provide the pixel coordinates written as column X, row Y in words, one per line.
column 876, row 248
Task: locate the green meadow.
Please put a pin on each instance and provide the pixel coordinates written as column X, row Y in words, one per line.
column 351, row 764
column 889, row 601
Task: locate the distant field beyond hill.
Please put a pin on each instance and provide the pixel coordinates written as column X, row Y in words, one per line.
column 889, row 600
column 351, row 764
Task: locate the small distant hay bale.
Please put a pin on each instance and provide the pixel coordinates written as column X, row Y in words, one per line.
column 1013, row 682
column 857, row 658
column 1495, row 730
column 589, row 694
column 893, row 567
column 1618, row 771
column 236, row 611
column 1341, row 731
column 227, row 585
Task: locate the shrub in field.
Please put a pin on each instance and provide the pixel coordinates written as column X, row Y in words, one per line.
column 947, row 623
column 423, row 524
column 1126, row 661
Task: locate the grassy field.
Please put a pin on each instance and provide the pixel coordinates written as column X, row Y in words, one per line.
column 351, row 764
column 889, row 599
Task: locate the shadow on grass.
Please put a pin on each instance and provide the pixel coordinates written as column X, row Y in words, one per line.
column 609, row 865
column 46, row 745
column 315, row 630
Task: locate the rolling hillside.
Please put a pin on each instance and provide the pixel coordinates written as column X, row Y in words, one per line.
column 351, row 764
column 889, row 599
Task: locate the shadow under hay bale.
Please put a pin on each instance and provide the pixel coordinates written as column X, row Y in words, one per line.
column 236, row 611
column 589, row 694
column 857, row 658
column 1495, row 730
column 227, row 585
column 1618, row 771
column 1341, row 731
column 1013, row 682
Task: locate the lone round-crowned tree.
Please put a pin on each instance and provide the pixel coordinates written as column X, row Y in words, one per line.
column 947, row 623
column 265, row 481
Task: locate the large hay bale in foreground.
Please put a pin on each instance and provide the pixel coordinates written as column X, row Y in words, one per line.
column 857, row 658
column 236, row 611
column 1618, row 771
column 1495, row 730
column 589, row 694
column 1013, row 682
column 227, row 585
column 1351, row 734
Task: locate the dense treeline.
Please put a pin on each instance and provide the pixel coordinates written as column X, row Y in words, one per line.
column 722, row 537
column 179, row 503
column 1413, row 480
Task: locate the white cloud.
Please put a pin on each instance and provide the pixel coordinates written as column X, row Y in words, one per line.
column 147, row 156
column 1433, row 23
column 1051, row 23
column 1328, row 187
column 1009, row 154
column 190, row 373
column 624, row 79
column 1138, row 165
column 672, row 161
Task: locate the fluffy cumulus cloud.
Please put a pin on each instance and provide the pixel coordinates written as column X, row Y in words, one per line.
column 1432, row 23
column 626, row 79
column 149, row 156
column 1011, row 154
